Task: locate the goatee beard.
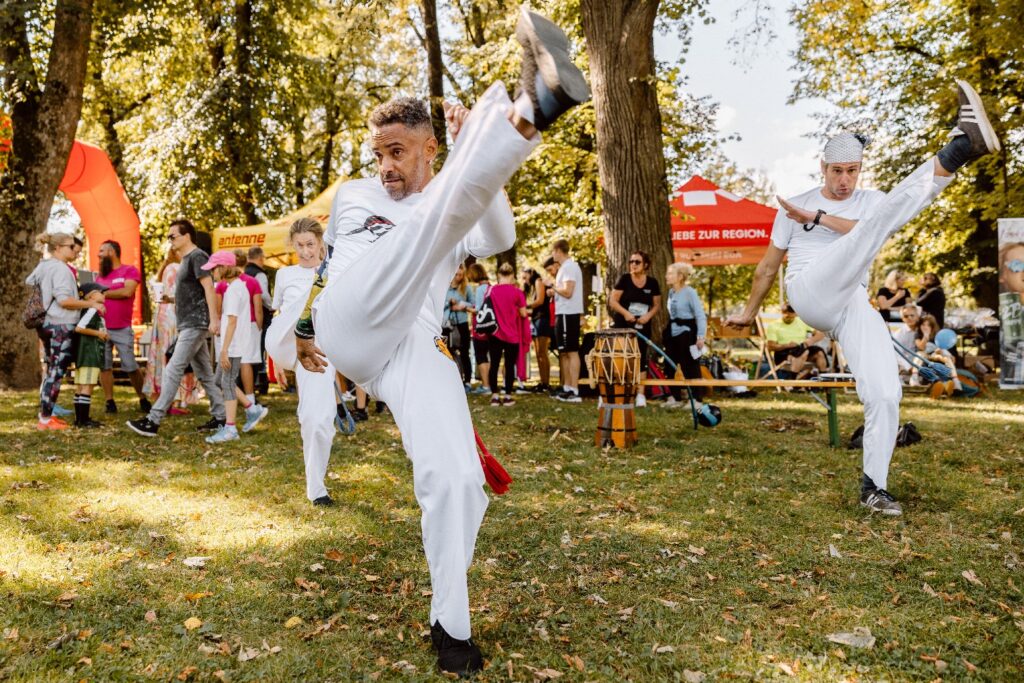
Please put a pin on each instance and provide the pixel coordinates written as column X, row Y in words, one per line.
column 106, row 265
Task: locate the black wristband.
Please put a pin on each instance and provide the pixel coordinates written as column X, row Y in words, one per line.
column 817, row 216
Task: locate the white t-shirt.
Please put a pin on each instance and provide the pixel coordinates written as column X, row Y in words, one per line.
column 363, row 212
column 805, row 245
column 235, row 303
column 292, row 284
column 569, row 271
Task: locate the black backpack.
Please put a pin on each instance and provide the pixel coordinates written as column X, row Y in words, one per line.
column 486, row 320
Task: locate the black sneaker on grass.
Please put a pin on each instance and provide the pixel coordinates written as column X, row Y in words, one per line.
column 143, row 426
column 212, row 425
column 324, row 502
column 548, row 75
column 880, row 500
column 88, row 424
column 111, row 408
column 360, row 414
column 460, row 657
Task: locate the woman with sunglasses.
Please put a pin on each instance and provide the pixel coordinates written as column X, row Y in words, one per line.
column 634, row 302
column 56, row 281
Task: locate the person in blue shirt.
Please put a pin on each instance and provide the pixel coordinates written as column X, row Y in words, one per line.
column 456, row 319
column 687, row 327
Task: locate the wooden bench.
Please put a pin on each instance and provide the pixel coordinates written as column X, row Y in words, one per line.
column 829, row 386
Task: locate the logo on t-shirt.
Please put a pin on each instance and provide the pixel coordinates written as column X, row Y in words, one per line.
column 377, row 226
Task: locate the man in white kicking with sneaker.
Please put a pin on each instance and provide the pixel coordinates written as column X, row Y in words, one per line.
column 397, row 242
column 832, row 234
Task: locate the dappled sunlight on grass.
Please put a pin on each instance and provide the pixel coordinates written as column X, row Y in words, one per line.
column 732, row 551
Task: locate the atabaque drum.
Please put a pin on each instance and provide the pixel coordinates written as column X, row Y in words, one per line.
column 615, row 367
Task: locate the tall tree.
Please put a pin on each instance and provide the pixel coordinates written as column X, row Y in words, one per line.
column 630, row 152
column 435, row 75
column 44, row 113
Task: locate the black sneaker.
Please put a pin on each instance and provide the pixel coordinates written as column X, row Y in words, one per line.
column 381, row 407
column 212, row 425
column 880, row 500
column 541, row 389
column 324, row 502
column 548, row 76
column 144, row 405
column 111, row 408
column 143, row 426
column 460, row 657
column 88, row 424
column 360, row 414
column 974, row 123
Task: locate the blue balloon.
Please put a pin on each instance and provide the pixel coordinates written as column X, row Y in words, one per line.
column 945, row 339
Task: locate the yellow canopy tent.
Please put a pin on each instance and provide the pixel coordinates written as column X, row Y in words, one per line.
column 273, row 235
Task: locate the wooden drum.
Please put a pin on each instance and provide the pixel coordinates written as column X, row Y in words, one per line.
column 615, row 367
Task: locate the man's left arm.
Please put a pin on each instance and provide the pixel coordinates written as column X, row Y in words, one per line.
column 807, row 217
column 126, row 291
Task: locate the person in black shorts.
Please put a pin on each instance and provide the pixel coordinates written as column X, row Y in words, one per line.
column 634, row 301
column 539, row 304
column 568, row 288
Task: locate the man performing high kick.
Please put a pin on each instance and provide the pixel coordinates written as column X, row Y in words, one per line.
column 397, row 242
column 833, row 233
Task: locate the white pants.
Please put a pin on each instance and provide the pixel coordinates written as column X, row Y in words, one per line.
column 368, row 324
column 829, row 296
column 316, row 413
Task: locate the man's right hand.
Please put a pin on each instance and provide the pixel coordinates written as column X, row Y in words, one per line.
column 311, row 357
column 214, row 327
column 741, row 320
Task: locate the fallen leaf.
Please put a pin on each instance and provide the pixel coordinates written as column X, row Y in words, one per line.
column 786, row 669
column 971, row 577
column 662, row 649
column 11, row 633
column 187, row 673
column 334, row 556
column 59, row 642
column 84, row 661
column 597, row 599
column 25, row 518
column 84, row 634
column 547, row 674
column 197, row 562
column 834, row 552
column 247, row 653
column 371, row 578
column 293, row 622
column 693, row 676
column 192, row 623
column 669, row 603
column 695, row 550
column 970, row 667
column 860, row 637
column 317, row 567
column 196, row 597
column 208, row 649
column 66, row 599
column 150, row 616
column 220, row 675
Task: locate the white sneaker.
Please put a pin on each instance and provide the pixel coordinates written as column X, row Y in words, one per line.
column 641, row 401
column 225, row 433
column 253, row 415
column 348, row 396
column 671, row 403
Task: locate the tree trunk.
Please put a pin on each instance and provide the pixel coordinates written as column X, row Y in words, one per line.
column 631, row 158
column 435, row 78
column 244, row 131
column 44, row 118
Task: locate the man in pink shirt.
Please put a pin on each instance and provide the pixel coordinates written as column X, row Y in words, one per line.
column 122, row 280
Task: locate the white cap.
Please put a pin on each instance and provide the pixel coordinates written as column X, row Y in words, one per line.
column 845, row 148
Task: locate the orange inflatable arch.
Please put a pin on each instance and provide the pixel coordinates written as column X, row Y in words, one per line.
column 91, row 185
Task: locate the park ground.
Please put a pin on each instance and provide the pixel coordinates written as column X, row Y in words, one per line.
column 731, row 553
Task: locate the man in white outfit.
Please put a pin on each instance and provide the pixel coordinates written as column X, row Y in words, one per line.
column 832, row 234
column 397, row 242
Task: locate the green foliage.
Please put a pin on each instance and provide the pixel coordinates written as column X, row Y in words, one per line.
column 888, row 67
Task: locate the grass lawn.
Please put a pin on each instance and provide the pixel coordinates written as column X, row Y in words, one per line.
column 730, row 553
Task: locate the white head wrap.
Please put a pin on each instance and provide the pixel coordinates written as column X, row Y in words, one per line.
column 845, row 148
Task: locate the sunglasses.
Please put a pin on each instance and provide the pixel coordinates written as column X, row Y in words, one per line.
column 634, row 261
column 1015, row 266
column 171, row 238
